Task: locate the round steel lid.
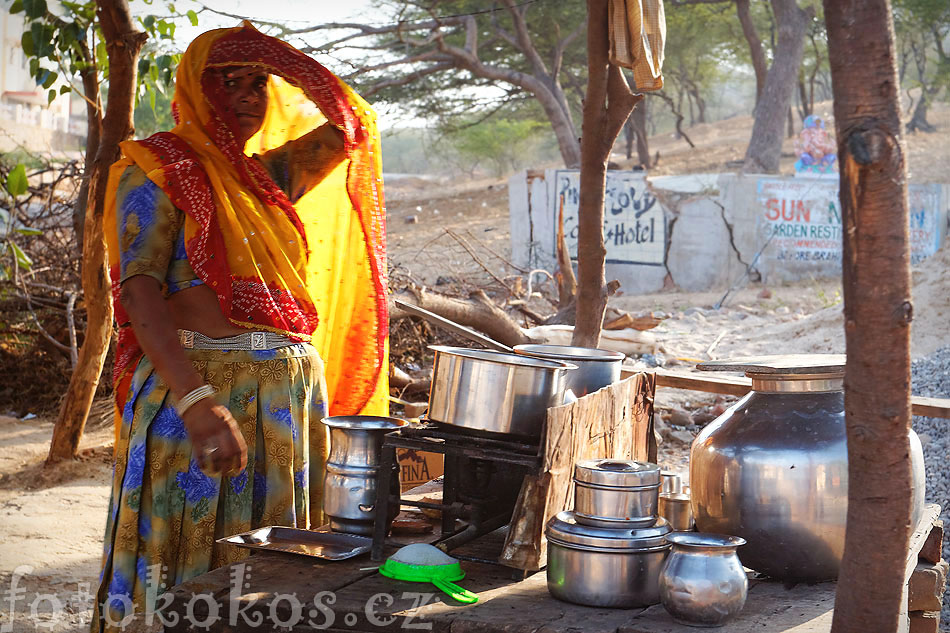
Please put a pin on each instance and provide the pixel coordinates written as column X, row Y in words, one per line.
column 617, row 473
column 564, row 528
column 569, row 352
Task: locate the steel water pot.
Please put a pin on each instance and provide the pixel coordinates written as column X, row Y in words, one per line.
column 349, row 488
column 773, row 469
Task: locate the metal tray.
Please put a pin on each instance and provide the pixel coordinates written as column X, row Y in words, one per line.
column 319, row 543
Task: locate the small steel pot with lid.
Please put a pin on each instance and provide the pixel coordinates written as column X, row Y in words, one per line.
column 616, row 493
column 602, row 567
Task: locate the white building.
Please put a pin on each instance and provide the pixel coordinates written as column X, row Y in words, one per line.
column 27, row 118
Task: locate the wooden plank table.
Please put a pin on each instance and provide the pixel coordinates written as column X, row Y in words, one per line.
column 302, row 594
column 740, row 385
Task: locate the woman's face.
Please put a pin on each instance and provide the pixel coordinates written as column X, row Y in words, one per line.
column 246, row 94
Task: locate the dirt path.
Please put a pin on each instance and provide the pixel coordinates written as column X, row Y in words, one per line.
column 50, row 525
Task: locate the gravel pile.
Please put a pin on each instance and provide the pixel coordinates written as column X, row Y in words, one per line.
column 930, row 376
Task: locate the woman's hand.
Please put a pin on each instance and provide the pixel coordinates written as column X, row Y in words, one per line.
column 216, row 438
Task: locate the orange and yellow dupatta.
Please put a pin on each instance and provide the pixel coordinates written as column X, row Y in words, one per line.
column 274, row 265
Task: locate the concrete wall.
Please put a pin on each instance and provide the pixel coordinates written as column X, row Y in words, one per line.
column 705, row 231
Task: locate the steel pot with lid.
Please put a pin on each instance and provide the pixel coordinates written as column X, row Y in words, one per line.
column 494, row 392
column 616, row 493
column 773, row 469
column 596, row 368
column 602, row 567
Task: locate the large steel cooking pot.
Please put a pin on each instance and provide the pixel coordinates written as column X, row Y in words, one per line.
column 493, row 391
column 603, row 567
column 349, row 487
column 596, row 368
column 773, row 469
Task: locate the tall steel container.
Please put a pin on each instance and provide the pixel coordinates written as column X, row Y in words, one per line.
column 349, row 487
column 773, row 469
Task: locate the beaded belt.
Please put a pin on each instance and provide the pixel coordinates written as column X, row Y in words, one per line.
column 249, row 341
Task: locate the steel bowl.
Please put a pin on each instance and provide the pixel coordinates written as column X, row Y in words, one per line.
column 596, row 368
column 494, row 392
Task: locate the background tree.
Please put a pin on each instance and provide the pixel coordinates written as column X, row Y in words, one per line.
column 923, row 31
column 768, row 129
column 93, row 42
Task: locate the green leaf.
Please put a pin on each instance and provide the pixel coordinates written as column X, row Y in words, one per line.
column 143, row 66
column 22, row 259
column 16, row 180
column 64, row 89
column 26, row 41
column 42, row 38
column 149, row 22
column 52, row 96
column 163, row 61
column 49, row 80
column 28, row 230
column 192, row 17
column 17, row 6
column 35, row 9
column 151, row 99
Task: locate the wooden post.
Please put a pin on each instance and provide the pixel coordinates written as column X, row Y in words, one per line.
column 876, row 276
column 608, row 103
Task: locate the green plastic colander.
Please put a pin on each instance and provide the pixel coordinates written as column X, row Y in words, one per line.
column 421, row 562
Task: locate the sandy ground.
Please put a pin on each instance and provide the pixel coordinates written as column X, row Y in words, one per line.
column 52, row 523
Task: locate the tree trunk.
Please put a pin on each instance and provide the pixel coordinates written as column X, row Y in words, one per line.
column 629, row 136
column 639, row 119
column 918, row 122
column 765, row 146
column 123, row 43
column 876, row 280
column 759, row 65
column 606, row 108
column 90, row 88
column 563, row 128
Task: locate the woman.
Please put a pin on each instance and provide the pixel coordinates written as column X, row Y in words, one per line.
column 227, row 237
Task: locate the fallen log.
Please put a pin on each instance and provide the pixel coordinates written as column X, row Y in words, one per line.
column 477, row 312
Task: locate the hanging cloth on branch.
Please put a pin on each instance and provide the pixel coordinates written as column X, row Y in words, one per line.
column 637, row 35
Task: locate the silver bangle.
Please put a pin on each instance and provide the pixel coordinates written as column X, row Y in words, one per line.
column 192, row 397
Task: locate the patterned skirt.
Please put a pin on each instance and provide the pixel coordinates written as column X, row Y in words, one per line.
column 165, row 513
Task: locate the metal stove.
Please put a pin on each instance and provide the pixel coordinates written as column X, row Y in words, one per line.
column 481, row 481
